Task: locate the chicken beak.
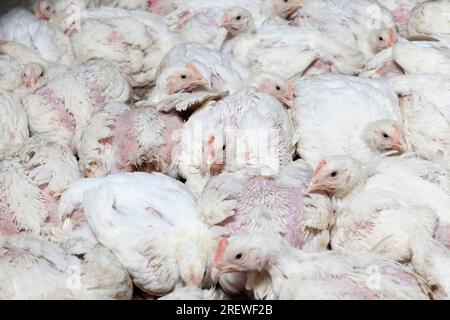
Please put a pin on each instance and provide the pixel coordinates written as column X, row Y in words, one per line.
column 225, row 22
column 313, row 186
column 399, row 142
column 31, row 81
column 218, row 271
column 288, row 100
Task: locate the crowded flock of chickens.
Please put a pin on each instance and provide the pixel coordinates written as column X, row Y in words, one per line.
column 230, row 149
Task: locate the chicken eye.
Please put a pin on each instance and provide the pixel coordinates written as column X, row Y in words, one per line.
column 334, row 174
column 238, row 256
column 238, row 18
column 385, row 135
column 278, row 88
column 286, row 1
column 380, row 38
column 183, row 76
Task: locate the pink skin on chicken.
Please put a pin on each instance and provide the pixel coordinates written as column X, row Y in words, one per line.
column 390, row 69
column 286, row 205
column 66, row 117
column 401, row 16
column 95, row 94
column 358, row 231
column 17, row 254
column 125, row 137
column 322, row 65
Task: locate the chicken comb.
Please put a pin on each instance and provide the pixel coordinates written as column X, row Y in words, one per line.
column 322, row 164
column 223, row 243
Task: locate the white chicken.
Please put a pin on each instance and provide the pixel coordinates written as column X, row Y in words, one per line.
column 363, row 24
column 401, row 10
column 120, row 139
column 33, row 176
column 13, row 121
column 65, row 113
column 382, row 65
column 153, row 228
column 289, row 51
column 247, row 129
column 136, row 41
column 37, row 269
column 245, row 201
column 47, row 41
column 260, row 10
column 297, row 275
column 422, row 56
column 394, row 209
column 342, row 115
column 430, row 18
column 203, row 24
column 23, row 70
column 425, row 100
column 195, row 68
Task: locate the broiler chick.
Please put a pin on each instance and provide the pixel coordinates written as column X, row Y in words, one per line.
column 150, row 222
column 135, row 41
column 37, row 269
column 63, row 112
column 244, row 130
column 120, row 139
column 190, row 72
column 33, row 176
column 244, row 201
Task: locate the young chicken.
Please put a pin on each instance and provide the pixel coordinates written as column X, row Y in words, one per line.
column 32, row 178
column 245, row 201
column 279, row 271
column 363, row 24
column 45, row 40
column 120, row 139
column 247, row 129
column 401, row 10
column 135, row 41
column 13, row 121
column 190, row 72
column 37, row 269
column 382, row 65
column 289, row 51
column 430, row 18
column 395, row 209
column 150, row 222
column 52, row 108
column 342, row 115
column 425, row 103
